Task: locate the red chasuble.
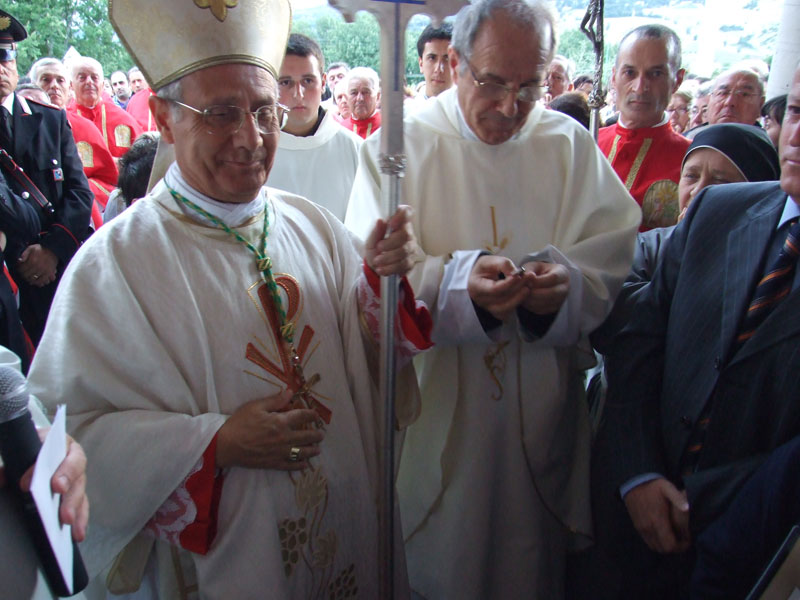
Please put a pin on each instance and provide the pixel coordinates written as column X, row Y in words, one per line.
column 648, row 161
column 363, row 127
column 139, row 109
column 98, row 164
column 117, row 127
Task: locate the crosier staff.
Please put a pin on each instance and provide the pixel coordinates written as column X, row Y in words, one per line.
column 592, row 27
column 392, row 16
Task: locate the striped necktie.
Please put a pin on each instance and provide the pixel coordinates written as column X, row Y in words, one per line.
column 773, row 287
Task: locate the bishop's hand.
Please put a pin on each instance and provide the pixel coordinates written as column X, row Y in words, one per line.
column 269, row 434
column 391, row 247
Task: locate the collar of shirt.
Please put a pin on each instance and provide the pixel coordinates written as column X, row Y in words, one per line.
column 9, row 103
column 230, row 213
column 790, row 211
column 663, row 122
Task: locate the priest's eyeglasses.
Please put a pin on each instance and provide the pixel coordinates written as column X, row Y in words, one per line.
column 222, row 119
column 493, row 90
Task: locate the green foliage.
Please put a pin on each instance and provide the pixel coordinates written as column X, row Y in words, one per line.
column 357, row 43
column 576, row 46
column 55, row 25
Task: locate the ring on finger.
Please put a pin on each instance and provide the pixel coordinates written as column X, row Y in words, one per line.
column 294, row 454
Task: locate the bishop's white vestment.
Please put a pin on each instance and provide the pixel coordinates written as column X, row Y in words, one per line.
column 494, row 473
column 183, row 332
column 320, row 167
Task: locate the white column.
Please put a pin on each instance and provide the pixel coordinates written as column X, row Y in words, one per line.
column 787, row 50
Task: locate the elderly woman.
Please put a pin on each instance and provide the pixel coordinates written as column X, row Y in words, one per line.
column 724, row 153
column 719, row 154
column 678, row 110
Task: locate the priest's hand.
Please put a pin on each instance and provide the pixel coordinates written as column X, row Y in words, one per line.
column 263, row 434
column 392, row 247
column 37, row 265
column 497, row 286
column 549, row 286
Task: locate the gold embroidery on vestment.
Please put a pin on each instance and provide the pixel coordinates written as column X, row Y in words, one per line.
column 637, row 163
column 495, row 246
column 293, row 536
column 345, row 585
column 660, row 204
column 86, row 153
column 122, row 136
column 495, row 361
column 613, row 152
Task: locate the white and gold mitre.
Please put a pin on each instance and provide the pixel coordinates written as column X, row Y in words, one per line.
column 172, row 38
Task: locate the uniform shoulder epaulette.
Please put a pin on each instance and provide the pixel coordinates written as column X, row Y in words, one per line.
column 37, row 103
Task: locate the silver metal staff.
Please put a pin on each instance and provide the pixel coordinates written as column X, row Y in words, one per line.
column 392, row 16
column 594, row 31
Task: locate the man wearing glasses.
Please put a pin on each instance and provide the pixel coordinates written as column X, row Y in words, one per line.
column 737, row 97
column 494, row 473
column 316, row 157
column 222, row 385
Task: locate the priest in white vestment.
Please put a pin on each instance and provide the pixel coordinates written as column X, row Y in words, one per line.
column 317, row 158
column 224, row 394
column 493, row 479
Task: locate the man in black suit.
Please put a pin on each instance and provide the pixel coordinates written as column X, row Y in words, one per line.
column 699, row 393
column 39, row 140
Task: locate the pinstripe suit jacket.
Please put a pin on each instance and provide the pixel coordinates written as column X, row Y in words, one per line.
column 675, row 354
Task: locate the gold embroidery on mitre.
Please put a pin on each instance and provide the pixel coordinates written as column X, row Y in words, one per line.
column 122, row 136
column 5, row 23
column 219, row 8
column 660, row 204
column 86, row 153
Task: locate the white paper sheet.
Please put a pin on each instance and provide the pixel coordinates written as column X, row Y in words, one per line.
column 53, row 451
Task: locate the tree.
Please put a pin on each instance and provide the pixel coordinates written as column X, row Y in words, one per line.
column 357, row 43
column 576, row 46
column 55, row 25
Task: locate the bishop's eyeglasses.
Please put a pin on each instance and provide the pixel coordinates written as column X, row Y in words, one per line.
column 222, row 119
column 493, row 90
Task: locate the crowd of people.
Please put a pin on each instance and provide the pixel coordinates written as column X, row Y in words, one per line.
column 595, row 339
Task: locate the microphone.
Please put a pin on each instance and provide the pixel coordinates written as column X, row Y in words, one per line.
column 19, row 447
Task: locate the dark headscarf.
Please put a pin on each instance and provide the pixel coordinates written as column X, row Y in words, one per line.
column 746, row 146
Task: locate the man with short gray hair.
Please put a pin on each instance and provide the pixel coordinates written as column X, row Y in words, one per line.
column 244, row 319
column 118, row 128
column 642, row 147
column 494, row 474
column 736, row 97
column 363, row 95
column 559, row 76
column 98, row 163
